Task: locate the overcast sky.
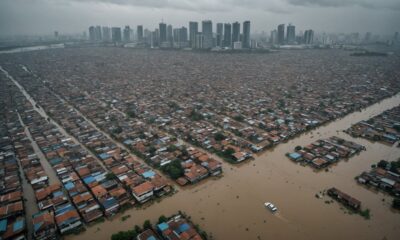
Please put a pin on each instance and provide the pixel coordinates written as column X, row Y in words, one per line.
column 37, row 17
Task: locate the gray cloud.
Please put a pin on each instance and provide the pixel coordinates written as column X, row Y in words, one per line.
column 371, row 4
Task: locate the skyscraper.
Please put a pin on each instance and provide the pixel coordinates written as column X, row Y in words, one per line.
column 139, row 33
column 106, row 34
column 92, row 34
column 246, row 34
column 220, row 28
column 227, row 35
column 207, row 34
column 308, row 36
column 169, row 33
column 290, row 34
column 281, row 34
column 193, row 30
column 127, row 34
column 274, row 37
column 116, row 34
column 98, row 33
column 163, row 32
column 235, row 32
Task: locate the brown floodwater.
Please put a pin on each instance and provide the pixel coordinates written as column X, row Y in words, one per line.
column 232, row 207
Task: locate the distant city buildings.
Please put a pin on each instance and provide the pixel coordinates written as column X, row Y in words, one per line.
column 227, row 35
column 224, row 36
column 139, row 33
column 246, row 34
column 281, row 34
column 193, row 31
column 206, row 28
column 127, row 34
column 290, row 34
column 116, row 34
column 308, row 37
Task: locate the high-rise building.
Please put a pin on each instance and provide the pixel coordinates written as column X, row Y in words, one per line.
column 227, row 35
column 116, row 34
column 106, row 34
column 127, row 34
column 199, row 41
column 236, row 32
column 281, row 34
column 139, row 33
column 207, row 34
column 220, row 29
column 92, row 34
column 56, row 35
column 274, row 37
column 193, row 30
column 308, row 36
column 290, row 34
column 98, row 33
column 246, row 34
column 163, row 32
column 169, row 33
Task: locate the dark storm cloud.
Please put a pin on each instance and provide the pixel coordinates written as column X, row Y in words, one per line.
column 74, row 16
column 372, row 4
column 200, row 5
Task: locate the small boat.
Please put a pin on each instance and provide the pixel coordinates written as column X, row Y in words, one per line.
column 271, row 207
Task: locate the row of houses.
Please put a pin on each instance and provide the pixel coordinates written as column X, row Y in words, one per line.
column 156, row 147
column 325, row 152
column 383, row 128
column 381, row 178
column 176, row 227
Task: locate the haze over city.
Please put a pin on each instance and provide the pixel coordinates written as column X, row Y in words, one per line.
column 41, row 17
column 199, row 120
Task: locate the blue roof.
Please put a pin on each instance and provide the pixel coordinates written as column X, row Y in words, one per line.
column 69, row 185
column 64, row 208
column 18, row 225
column 184, row 227
column 128, row 141
column 89, row 179
column 104, row 156
column 148, row 174
column 3, row 225
column 295, row 155
column 58, row 193
column 110, row 202
column 163, row 226
column 151, row 238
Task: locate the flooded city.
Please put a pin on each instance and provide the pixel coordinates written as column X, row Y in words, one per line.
column 199, row 120
column 232, row 207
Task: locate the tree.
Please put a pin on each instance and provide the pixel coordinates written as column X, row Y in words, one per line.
column 383, row 163
column 238, row 118
column 297, row 148
column 110, row 176
column 137, row 229
column 173, row 169
column 146, row 225
column 162, row 218
column 228, row 152
column 219, row 136
column 124, row 235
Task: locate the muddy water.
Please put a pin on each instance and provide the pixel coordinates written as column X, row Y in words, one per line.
column 232, row 207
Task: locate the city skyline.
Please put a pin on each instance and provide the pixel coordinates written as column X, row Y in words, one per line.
column 44, row 17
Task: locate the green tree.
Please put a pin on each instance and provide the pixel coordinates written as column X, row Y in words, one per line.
column 162, row 218
column 147, row 225
column 219, row 136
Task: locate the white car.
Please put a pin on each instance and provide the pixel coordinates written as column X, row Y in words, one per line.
column 271, row 207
